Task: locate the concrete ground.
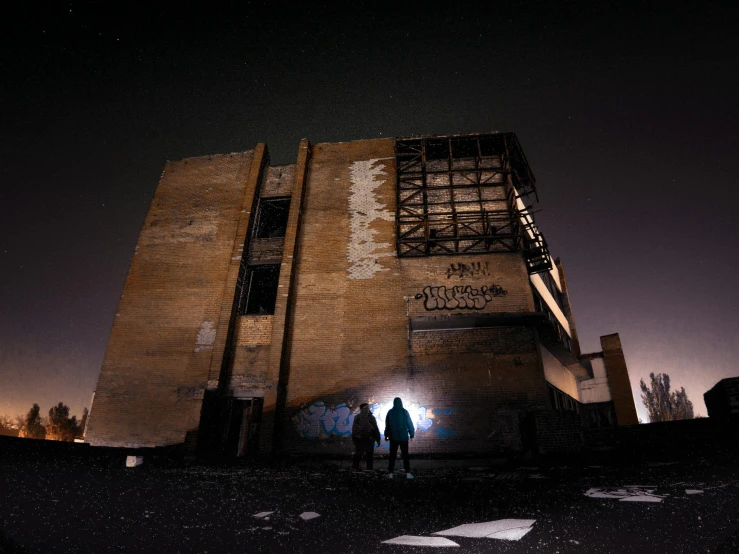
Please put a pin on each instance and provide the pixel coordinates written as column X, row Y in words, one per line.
column 65, row 503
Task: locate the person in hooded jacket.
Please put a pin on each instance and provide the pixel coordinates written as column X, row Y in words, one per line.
column 398, row 429
column 365, row 434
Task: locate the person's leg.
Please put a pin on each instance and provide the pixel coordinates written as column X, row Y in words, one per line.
column 370, row 454
column 393, row 454
column 357, row 454
column 404, row 453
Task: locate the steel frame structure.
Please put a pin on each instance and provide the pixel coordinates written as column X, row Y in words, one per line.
column 459, row 195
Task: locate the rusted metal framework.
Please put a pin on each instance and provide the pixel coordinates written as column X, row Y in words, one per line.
column 460, row 194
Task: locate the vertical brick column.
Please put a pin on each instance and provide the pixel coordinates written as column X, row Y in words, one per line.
column 222, row 346
column 618, row 380
column 279, row 357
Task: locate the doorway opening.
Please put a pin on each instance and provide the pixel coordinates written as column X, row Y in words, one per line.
column 243, row 426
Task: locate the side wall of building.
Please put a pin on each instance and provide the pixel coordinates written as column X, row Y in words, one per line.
column 157, row 361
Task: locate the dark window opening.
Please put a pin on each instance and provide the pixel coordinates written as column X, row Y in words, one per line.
column 561, row 401
column 464, row 148
column 272, row 218
column 437, row 150
column 598, row 415
column 456, row 196
column 260, row 289
column 552, row 287
column 559, row 332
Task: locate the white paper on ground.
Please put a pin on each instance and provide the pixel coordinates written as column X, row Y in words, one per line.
column 490, row 529
column 410, row 540
column 630, row 493
column 598, row 493
column 309, row 515
column 263, row 514
column 511, row 534
column 133, row 461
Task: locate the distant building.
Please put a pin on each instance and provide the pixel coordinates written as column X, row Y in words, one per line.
column 722, row 401
column 265, row 303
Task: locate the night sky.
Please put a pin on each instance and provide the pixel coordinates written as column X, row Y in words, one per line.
column 628, row 115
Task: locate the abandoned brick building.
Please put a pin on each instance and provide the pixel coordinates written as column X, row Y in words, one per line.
column 265, row 303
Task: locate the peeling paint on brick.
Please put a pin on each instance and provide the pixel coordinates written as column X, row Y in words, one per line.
column 206, row 336
column 364, row 209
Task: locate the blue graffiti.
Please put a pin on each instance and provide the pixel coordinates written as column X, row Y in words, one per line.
column 418, row 415
column 444, row 432
column 319, row 419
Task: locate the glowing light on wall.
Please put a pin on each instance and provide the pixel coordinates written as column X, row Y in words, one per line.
column 323, row 420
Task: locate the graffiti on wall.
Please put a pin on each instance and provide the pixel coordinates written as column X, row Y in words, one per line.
column 322, row 420
column 459, row 297
column 319, row 419
column 467, row 270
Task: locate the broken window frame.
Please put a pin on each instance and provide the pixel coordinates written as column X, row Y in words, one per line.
column 249, row 290
column 495, row 167
column 259, row 223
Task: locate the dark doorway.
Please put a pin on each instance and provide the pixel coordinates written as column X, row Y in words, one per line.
column 242, row 432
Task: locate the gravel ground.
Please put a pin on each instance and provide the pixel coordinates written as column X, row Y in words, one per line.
column 71, row 505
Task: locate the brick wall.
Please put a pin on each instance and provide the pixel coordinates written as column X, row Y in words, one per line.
column 558, row 431
column 253, row 330
column 159, row 353
column 349, row 336
column 278, row 181
column 266, row 250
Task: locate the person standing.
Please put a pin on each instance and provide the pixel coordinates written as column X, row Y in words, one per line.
column 398, row 429
column 365, row 434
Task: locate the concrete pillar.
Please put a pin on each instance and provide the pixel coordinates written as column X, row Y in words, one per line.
column 279, row 356
column 618, row 380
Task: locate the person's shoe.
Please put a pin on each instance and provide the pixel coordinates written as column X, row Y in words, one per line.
column 409, row 476
column 390, row 475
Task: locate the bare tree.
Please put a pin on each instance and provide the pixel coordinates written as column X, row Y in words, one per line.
column 61, row 427
column 661, row 403
column 32, row 427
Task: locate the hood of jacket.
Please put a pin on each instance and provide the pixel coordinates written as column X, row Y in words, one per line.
column 398, row 423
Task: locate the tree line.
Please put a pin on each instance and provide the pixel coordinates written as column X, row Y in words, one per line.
column 58, row 426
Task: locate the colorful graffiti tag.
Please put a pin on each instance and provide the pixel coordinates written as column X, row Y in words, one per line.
column 322, row 420
column 418, row 415
column 465, row 297
column 318, row 418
